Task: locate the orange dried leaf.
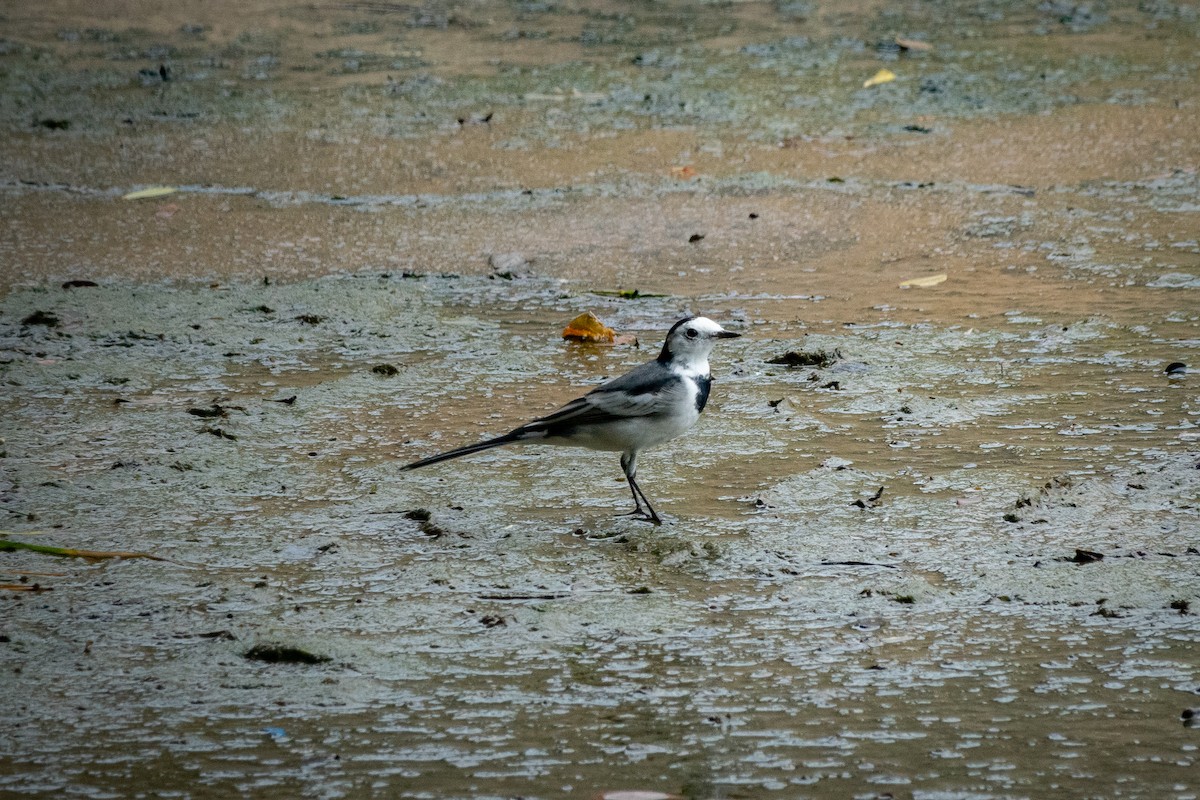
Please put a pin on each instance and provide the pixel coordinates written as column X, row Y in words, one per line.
column 587, row 327
column 683, row 173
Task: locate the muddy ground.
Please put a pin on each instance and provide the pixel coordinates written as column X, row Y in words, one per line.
column 960, row 558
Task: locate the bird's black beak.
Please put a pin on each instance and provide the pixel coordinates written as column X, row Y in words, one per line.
column 727, row 335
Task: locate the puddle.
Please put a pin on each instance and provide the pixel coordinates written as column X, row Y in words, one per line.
column 958, row 558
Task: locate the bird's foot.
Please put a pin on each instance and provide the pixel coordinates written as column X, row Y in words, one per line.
column 643, row 514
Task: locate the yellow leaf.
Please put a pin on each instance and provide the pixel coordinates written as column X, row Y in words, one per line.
column 923, row 283
column 587, row 327
column 153, row 191
column 883, row 76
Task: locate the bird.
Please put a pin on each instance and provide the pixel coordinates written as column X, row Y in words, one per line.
column 647, row 406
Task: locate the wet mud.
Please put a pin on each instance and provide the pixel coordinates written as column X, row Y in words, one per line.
column 949, row 548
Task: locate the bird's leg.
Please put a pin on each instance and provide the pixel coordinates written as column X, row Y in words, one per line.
column 629, row 465
column 649, row 513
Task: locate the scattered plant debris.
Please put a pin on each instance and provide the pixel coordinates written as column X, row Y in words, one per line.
column 41, row 318
column 428, row 527
column 871, row 501
column 880, row 77
column 587, row 327
column 153, row 191
column 9, row 546
column 625, row 294
column 816, row 358
column 926, row 281
column 913, row 44
column 283, row 654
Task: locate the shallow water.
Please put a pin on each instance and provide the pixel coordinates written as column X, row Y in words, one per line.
column 878, row 578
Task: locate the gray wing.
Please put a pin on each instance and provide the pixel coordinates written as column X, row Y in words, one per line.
column 644, row 391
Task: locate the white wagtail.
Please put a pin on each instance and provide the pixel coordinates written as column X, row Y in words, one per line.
column 645, row 407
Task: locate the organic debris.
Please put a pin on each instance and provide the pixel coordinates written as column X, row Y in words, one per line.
column 41, row 318
column 587, row 327
column 871, row 501
column 923, row 282
column 211, row 412
column 816, row 358
column 146, row 194
column 883, row 76
column 9, row 546
column 283, row 654
column 1086, row 556
column 913, row 44
column 625, row 294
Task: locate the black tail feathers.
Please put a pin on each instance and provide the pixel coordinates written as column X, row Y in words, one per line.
column 507, row 438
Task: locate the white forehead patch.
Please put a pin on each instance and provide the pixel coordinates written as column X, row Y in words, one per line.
column 704, row 325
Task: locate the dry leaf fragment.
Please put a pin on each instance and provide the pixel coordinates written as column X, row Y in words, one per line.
column 587, row 327
column 913, row 44
column 684, row 173
column 923, row 283
column 8, row 546
column 883, row 76
column 153, row 191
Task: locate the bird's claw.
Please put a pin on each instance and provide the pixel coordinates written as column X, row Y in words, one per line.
column 643, row 514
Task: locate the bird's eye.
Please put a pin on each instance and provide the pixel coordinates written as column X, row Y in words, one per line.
column 691, row 333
